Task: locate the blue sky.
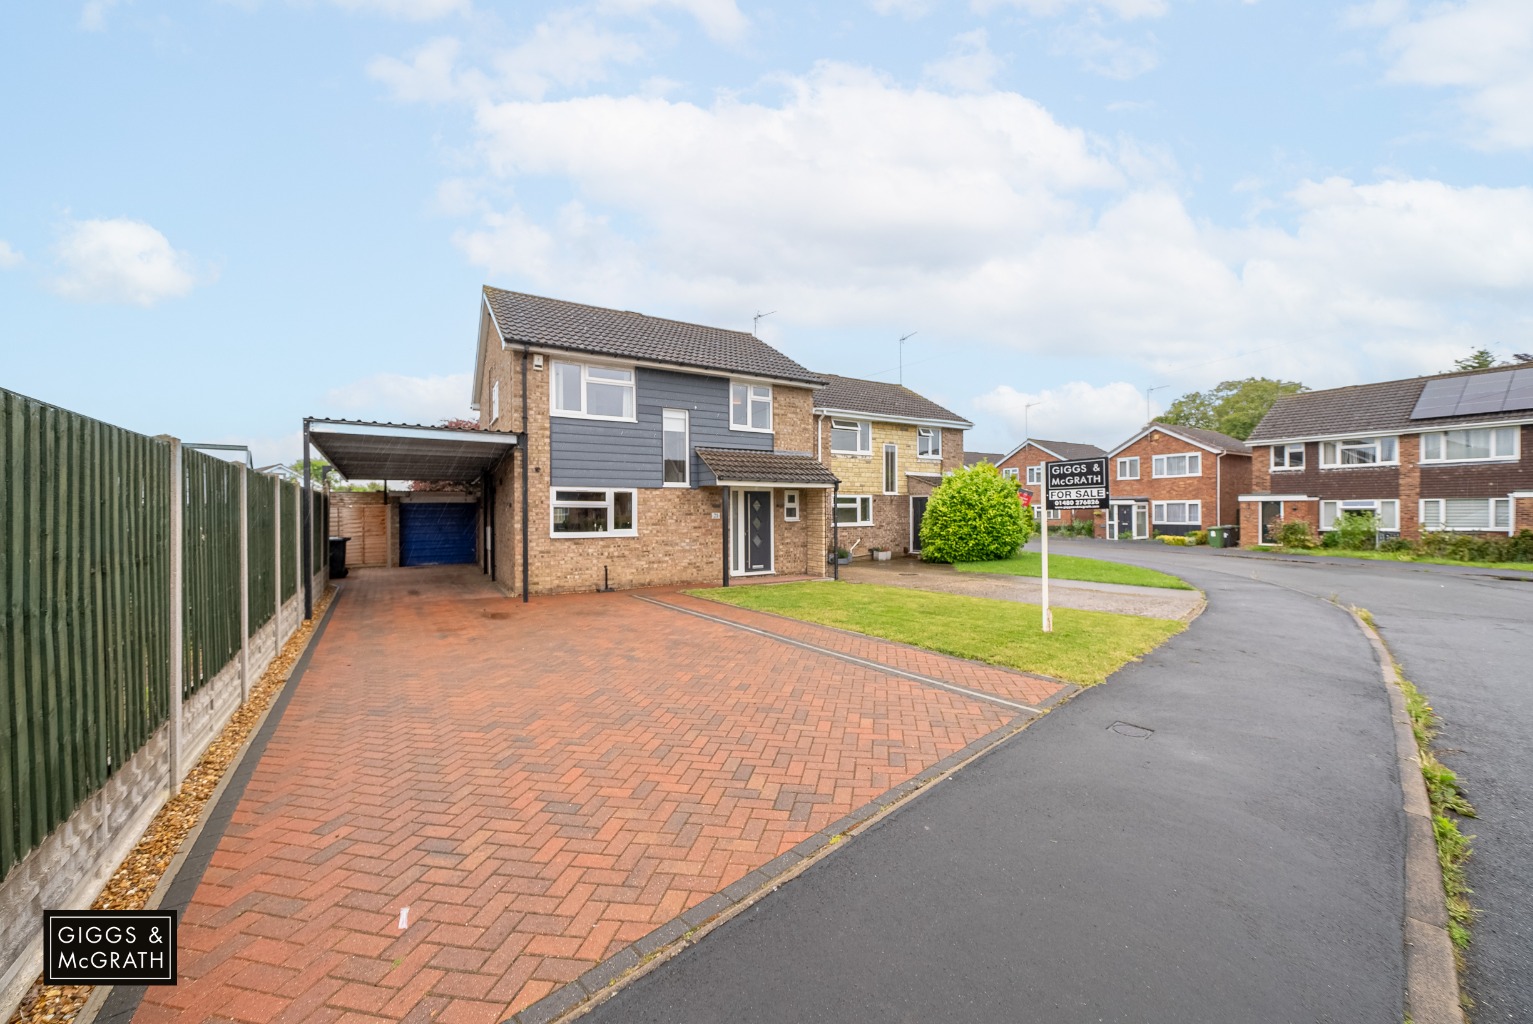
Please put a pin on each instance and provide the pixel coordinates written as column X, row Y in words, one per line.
column 216, row 218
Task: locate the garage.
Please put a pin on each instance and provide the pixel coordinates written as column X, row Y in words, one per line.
column 437, row 533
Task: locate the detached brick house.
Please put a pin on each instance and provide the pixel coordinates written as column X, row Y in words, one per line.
column 889, row 447
column 1170, row 479
column 1024, row 464
column 1447, row 452
column 650, row 451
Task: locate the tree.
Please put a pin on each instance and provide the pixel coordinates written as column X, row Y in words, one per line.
column 1235, row 407
column 973, row 516
column 1479, row 359
column 321, row 474
column 438, row 485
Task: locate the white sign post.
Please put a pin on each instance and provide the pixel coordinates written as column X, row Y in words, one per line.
column 1080, row 483
column 1041, row 515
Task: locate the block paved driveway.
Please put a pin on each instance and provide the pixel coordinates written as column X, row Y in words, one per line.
column 540, row 785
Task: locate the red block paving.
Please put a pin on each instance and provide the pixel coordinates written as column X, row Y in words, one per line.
column 538, row 784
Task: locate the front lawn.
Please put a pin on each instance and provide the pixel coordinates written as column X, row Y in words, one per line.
column 1085, row 647
column 1385, row 556
column 1069, row 567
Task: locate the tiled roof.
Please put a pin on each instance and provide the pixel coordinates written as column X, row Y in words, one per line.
column 741, row 465
column 1068, row 450
column 875, row 398
column 975, row 458
column 1383, row 407
column 1212, row 438
column 555, row 323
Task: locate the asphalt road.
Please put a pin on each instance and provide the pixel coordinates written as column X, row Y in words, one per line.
column 1241, row 862
column 1465, row 638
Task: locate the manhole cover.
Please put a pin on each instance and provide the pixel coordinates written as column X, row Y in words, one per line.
column 1137, row 732
column 910, row 574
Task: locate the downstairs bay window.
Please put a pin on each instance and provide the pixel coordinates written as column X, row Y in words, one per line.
column 580, row 512
column 1177, row 513
column 1483, row 515
column 854, row 510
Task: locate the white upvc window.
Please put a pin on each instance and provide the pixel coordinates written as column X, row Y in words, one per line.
column 592, row 391
column 1128, row 469
column 1475, row 444
column 1055, row 513
column 593, row 512
column 750, row 407
column 1359, row 451
column 674, row 448
column 1288, row 456
column 1035, row 475
column 891, row 469
column 1182, row 464
column 494, row 401
column 854, row 510
column 1476, row 514
column 1010, row 472
column 1387, row 509
column 928, row 443
column 790, row 506
column 851, row 437
column 1177, row 513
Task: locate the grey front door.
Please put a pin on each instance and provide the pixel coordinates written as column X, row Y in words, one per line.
column 1125, row 521
column 917, row 512
column 758, row 531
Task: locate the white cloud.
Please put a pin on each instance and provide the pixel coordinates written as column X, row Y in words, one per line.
column 1085, row 413
column 969, row 65
column 93, row 14
column 720, row 19
column 121, row 260
column 1125, row 9
column 9, row 257
column 1482, row 48
column 408, row 10
column 1102, row 53
column 909, row 9
column 396, row 397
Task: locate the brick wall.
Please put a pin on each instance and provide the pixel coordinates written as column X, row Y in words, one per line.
column 1410, row 486
column 864, row 474
column 1029, row 456
column 1301, row 511
column 1233, row 472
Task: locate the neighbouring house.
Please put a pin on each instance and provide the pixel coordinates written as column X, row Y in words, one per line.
column 1170, row 479
column 889, row 447
column 975, row 458
column 1441, row 453
column 1024, row 464
column 651, row 451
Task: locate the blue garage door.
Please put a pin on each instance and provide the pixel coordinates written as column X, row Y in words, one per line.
column 433, row 533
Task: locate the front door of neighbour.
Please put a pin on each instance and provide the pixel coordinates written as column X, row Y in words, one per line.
column 753, row 531
column 917, row 511
column 1122, row 522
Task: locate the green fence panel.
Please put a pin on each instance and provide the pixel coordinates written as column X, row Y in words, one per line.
column 289, row 541
column 261, row 505
column 84, row 610
column 210, row 529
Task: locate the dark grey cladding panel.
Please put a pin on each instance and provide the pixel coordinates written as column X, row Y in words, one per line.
column 603, row 453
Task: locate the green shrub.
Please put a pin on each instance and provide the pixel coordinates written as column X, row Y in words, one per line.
column 1468, row 547
column 1295, row 533
column 1197, row 537
column 1356, row 532
column 974, row 516
column 1167, row 538
column 1397, row 546
column 1077, row 528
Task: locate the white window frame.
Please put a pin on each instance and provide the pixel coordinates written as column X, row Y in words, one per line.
column 753, row 394
column 790, row 506
column 857, row 501
column 1123, row 466
column 1331, row 451
column 932, row 438
column 494, row 401
column 1035, row 475
column 686, row 447
column 891, row 468
column 1288, row 451
column 1194, row 512
column 1330, row 511
column 1158, row 464
column 609, row 503
column 585, row 381
column 864, row 429
column 1437, row 520
column 1010, row 472
column 1441, row 436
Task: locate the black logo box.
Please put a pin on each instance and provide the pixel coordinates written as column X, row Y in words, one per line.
column 109, row 947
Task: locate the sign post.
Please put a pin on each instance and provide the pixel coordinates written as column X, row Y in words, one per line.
column 1079, row 483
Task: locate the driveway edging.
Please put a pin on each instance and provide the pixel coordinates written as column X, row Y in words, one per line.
column 1431, row 973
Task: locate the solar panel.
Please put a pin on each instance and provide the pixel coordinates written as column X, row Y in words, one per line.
column 1507, row 391
column 1483, row 394
column 1520, row 395
column 1438, row 398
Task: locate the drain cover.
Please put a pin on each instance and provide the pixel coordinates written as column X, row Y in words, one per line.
column 1137, row 732
column 910, row 574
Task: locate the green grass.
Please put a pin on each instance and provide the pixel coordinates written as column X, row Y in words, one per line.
column 1085, row 647
column 1069, row 567
column 1389, row 556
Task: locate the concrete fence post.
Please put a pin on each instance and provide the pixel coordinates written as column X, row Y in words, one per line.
column 298, row 524
column 244, row 585
column 276, row 563
column 177, row 612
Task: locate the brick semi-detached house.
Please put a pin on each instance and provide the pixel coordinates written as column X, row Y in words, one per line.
column 650, row 451
column 890, row 448
column 1024, row 464
column 1448, row 452
column 1170, row 479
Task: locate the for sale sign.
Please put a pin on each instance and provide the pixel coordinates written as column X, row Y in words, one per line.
column 1080, row 483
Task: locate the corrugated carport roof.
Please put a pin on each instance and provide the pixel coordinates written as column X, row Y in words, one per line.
column 400, row 451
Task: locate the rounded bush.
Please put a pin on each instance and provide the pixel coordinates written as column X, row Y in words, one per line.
column 974, row 516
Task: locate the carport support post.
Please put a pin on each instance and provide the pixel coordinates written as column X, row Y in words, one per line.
column 244, row 585
column 177, row 603
column 1043, row 516
column 306, row 530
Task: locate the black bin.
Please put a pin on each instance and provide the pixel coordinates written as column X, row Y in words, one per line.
column 338, row 557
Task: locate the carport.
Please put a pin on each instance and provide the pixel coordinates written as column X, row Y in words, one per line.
column 362, row 450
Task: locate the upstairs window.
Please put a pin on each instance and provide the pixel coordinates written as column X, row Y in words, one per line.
column 891, row 474
column 495, row 401
column 851, row 437
column 1359, row 451
column 1288, row 456
column 1472, row 445
column 928, row 443
column 1010, row 472
column 1188, row 464
column 1128, row 469
column 674, row 447
column 1035, row 475
column 593, row 391
column 750, row 407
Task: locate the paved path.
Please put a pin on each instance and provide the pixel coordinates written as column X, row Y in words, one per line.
column 1241, row 862
column 1151, row 602
column 1465, row 637
column 541, row 786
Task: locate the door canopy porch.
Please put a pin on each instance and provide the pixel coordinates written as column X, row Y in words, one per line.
column 738, row 467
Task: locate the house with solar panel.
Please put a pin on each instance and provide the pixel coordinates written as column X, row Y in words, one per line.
column 1441, row 453
column 649, row 451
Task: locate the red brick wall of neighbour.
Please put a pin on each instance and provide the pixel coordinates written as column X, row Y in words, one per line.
column 1217, row 487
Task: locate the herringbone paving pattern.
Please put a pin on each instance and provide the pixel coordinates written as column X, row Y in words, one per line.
column 532, row 787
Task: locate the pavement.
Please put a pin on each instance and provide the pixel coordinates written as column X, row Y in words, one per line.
column 1151, row 602
column 1462, row 635
column 471, row 807
column 1213, row 835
